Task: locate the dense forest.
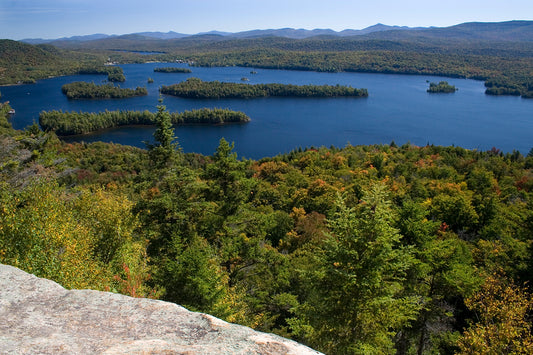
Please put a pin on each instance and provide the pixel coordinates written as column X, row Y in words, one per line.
column 24, row 63
column 198, row 89
column 114, row 73
column 172, row 70
column 441, row 87
column 85, row 90
column 356, row 250
column 71, row 123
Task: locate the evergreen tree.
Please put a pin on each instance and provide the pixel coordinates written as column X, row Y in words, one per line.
column 354, row 305
column 164, row 152
column 228, row 184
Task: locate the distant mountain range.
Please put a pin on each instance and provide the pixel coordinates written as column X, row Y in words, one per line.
column 515, row 31
column 283, row 32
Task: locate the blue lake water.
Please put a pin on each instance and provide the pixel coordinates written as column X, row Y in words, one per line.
column 398, row 108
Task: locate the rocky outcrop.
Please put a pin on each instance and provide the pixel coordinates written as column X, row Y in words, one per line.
column 39, row 316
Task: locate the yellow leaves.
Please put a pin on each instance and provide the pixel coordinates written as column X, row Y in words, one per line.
column 297, row 213
column 427, row 202
column 450, row 188
column 503, row 328
column 44, row 234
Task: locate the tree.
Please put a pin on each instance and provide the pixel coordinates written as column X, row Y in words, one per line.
column 40, row 234
column 502, row 325
column 443, row 272
column 164, row 152
column 228, row 184
column 194, row 279
column 354, row 303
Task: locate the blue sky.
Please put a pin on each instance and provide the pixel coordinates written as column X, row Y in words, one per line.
column 64, row 18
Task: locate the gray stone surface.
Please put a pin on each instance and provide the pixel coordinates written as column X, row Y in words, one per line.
column 38, row 316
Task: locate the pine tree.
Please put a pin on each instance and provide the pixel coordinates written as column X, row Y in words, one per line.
column 355, row 304
column 165, row 151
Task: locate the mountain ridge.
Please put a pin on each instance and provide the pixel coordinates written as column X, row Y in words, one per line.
column 281, row 32
column 507, row 31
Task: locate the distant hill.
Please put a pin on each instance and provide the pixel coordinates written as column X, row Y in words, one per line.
column 73, row 38
column 13, row 52
column 510, row 31
column 23, row 62
column 163, row 35
column 376, row 28
column 283, row 32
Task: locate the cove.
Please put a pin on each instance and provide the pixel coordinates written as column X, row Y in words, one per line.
column 398, row 109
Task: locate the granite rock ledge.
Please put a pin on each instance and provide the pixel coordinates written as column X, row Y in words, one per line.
column 41, row 317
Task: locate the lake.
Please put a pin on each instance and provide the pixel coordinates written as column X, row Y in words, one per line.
column 398, row 109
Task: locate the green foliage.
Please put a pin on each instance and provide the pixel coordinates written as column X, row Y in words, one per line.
column 441, row 87
column 198, row 89
column 71, row 123
column 114, row 73
column 53, row 235
column 195, row 279
column 354, row 298
column 5, row 126
column 364, row 249
column 84, row 90
column 172, row 70
column 21, row 62
column 164, row 152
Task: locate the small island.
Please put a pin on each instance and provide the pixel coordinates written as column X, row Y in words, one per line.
column 172, row 70
column 73, row 123
column 197, row 89
column 441, row 87
column 84, row 90
column 114, row 73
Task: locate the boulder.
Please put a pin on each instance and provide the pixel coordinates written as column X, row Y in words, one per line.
column 38, row 316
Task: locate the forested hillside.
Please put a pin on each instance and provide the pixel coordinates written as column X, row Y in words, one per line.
column 362, row 249
column 25, row 63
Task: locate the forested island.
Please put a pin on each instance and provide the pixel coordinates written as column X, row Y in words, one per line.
column 441, row 87
column 72, row 123
column 198, row 89
column 172, row 70
column 85, row 90
column 114, row 73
